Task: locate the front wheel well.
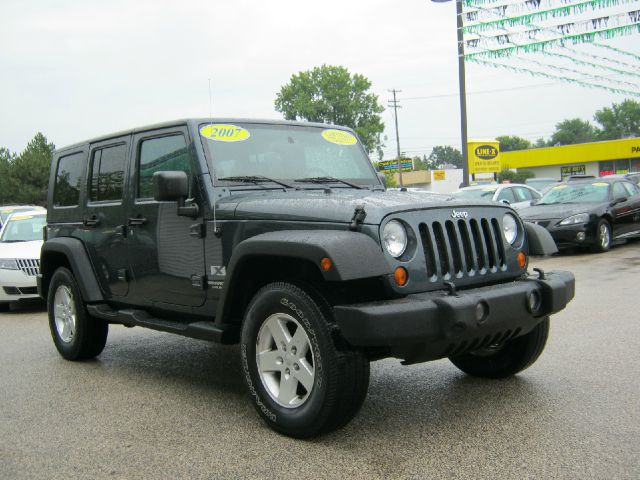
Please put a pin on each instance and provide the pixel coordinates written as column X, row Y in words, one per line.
column 255, row 272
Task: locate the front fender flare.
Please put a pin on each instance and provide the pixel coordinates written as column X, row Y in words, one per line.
column 540, row 240
column 353, row 255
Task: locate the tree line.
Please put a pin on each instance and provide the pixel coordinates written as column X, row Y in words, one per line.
column 24, row 176
column 621, row 120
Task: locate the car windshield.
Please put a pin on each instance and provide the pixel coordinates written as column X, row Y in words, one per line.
column 287, row 153
column 5, row 212
column 23, row 228
column 577, row 193
column 486, row 193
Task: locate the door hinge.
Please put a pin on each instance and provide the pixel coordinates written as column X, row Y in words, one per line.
column 197, row 230
column 199, row 281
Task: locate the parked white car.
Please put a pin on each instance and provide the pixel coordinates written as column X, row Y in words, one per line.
column 515, row 194
column 20, row 244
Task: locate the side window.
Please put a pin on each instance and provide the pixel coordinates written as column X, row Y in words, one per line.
column 507, row 194
column 619, row 191
column 160, row 154
column 66, row 192
column 107, row 173
column 631, row 188
column 523, row 194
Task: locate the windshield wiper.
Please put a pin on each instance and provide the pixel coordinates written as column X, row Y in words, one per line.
column 327, row 180
column 254, row 179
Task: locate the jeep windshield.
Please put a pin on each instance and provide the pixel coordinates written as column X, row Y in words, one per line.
column 306, row 155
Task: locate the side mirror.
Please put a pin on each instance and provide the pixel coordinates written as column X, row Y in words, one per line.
column 619, row 200
column 170, row 186
column 383, row 179
column 505, row 201
column 533, row 202
column 174, row 187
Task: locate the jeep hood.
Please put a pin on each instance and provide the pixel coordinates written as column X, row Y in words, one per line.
column 337, row 206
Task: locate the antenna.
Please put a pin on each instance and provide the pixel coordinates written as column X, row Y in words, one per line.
column 216, row 231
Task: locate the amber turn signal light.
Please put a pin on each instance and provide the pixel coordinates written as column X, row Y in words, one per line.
column 522, row 260
column 326, row 264
column 401, row 276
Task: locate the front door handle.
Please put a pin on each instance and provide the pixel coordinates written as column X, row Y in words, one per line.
column 92, row 221
column 139, row 220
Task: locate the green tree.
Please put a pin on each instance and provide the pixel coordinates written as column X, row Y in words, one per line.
column 330, row 94
column 509, row 143
column 540, row 143
column 620, row 121
column 575, row 130
column 29, row 171
column 514, row 177
column 6, row 185
column 445, row 154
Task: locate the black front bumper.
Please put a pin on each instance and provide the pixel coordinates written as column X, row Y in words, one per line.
column 432, row 325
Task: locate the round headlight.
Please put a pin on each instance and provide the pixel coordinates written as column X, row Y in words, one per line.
column 510, row 228
column 394, row 238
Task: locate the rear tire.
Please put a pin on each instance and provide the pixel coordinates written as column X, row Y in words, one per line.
column 508, row 359
column 76, row 335
column 303, row 379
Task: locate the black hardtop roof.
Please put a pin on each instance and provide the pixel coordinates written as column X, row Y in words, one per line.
column 195, row 121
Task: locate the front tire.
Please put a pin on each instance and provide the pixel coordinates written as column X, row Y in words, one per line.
column 76, row 335
column 603, row 237
column 303, row 379
column 505, row 360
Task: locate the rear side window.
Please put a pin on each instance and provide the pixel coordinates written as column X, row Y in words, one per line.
column 66, row 192
column 107, row 173
column 631, row 188
column 161, row 154
column 619, row 191
column 507, row 194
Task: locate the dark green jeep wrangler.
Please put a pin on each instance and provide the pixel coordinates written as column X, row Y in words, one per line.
column 281, row 237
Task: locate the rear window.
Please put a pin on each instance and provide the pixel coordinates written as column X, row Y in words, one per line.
column 66, row 192
column 107, row 173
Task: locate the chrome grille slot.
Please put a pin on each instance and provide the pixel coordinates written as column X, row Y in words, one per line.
column 427, row 246
column 455, row 247
column 30, row 266
column 441, row 250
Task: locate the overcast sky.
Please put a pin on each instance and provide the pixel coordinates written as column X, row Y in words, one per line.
column 77, row 69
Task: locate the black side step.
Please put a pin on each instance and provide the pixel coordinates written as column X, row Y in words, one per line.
column 203, row 330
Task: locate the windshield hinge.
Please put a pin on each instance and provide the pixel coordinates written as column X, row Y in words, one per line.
column 358, row 217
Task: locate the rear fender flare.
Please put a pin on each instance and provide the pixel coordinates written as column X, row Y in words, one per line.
column 74, row 252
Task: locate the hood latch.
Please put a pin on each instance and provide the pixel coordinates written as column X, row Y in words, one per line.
column 358, row 217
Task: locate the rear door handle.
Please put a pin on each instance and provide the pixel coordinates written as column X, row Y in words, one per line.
column 137, row 221
column 92, row 221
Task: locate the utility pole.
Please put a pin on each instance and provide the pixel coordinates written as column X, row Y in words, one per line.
column 395, row 104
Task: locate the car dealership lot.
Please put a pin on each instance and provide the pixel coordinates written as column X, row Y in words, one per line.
column 156, row 405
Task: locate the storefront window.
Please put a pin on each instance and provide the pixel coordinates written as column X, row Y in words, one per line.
column 606, row 168
column 634, row 165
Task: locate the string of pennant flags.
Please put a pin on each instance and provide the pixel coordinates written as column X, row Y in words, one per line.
column 568, row 34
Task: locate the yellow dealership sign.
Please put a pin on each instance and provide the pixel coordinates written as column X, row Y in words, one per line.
column 484, row 156
column 438, row 175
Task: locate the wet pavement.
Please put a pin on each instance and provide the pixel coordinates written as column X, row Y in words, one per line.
column 155, row 405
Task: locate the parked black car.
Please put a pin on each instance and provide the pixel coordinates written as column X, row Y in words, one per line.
column 592, row 213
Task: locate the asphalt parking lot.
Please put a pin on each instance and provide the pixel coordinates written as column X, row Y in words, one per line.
column 155, row 405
